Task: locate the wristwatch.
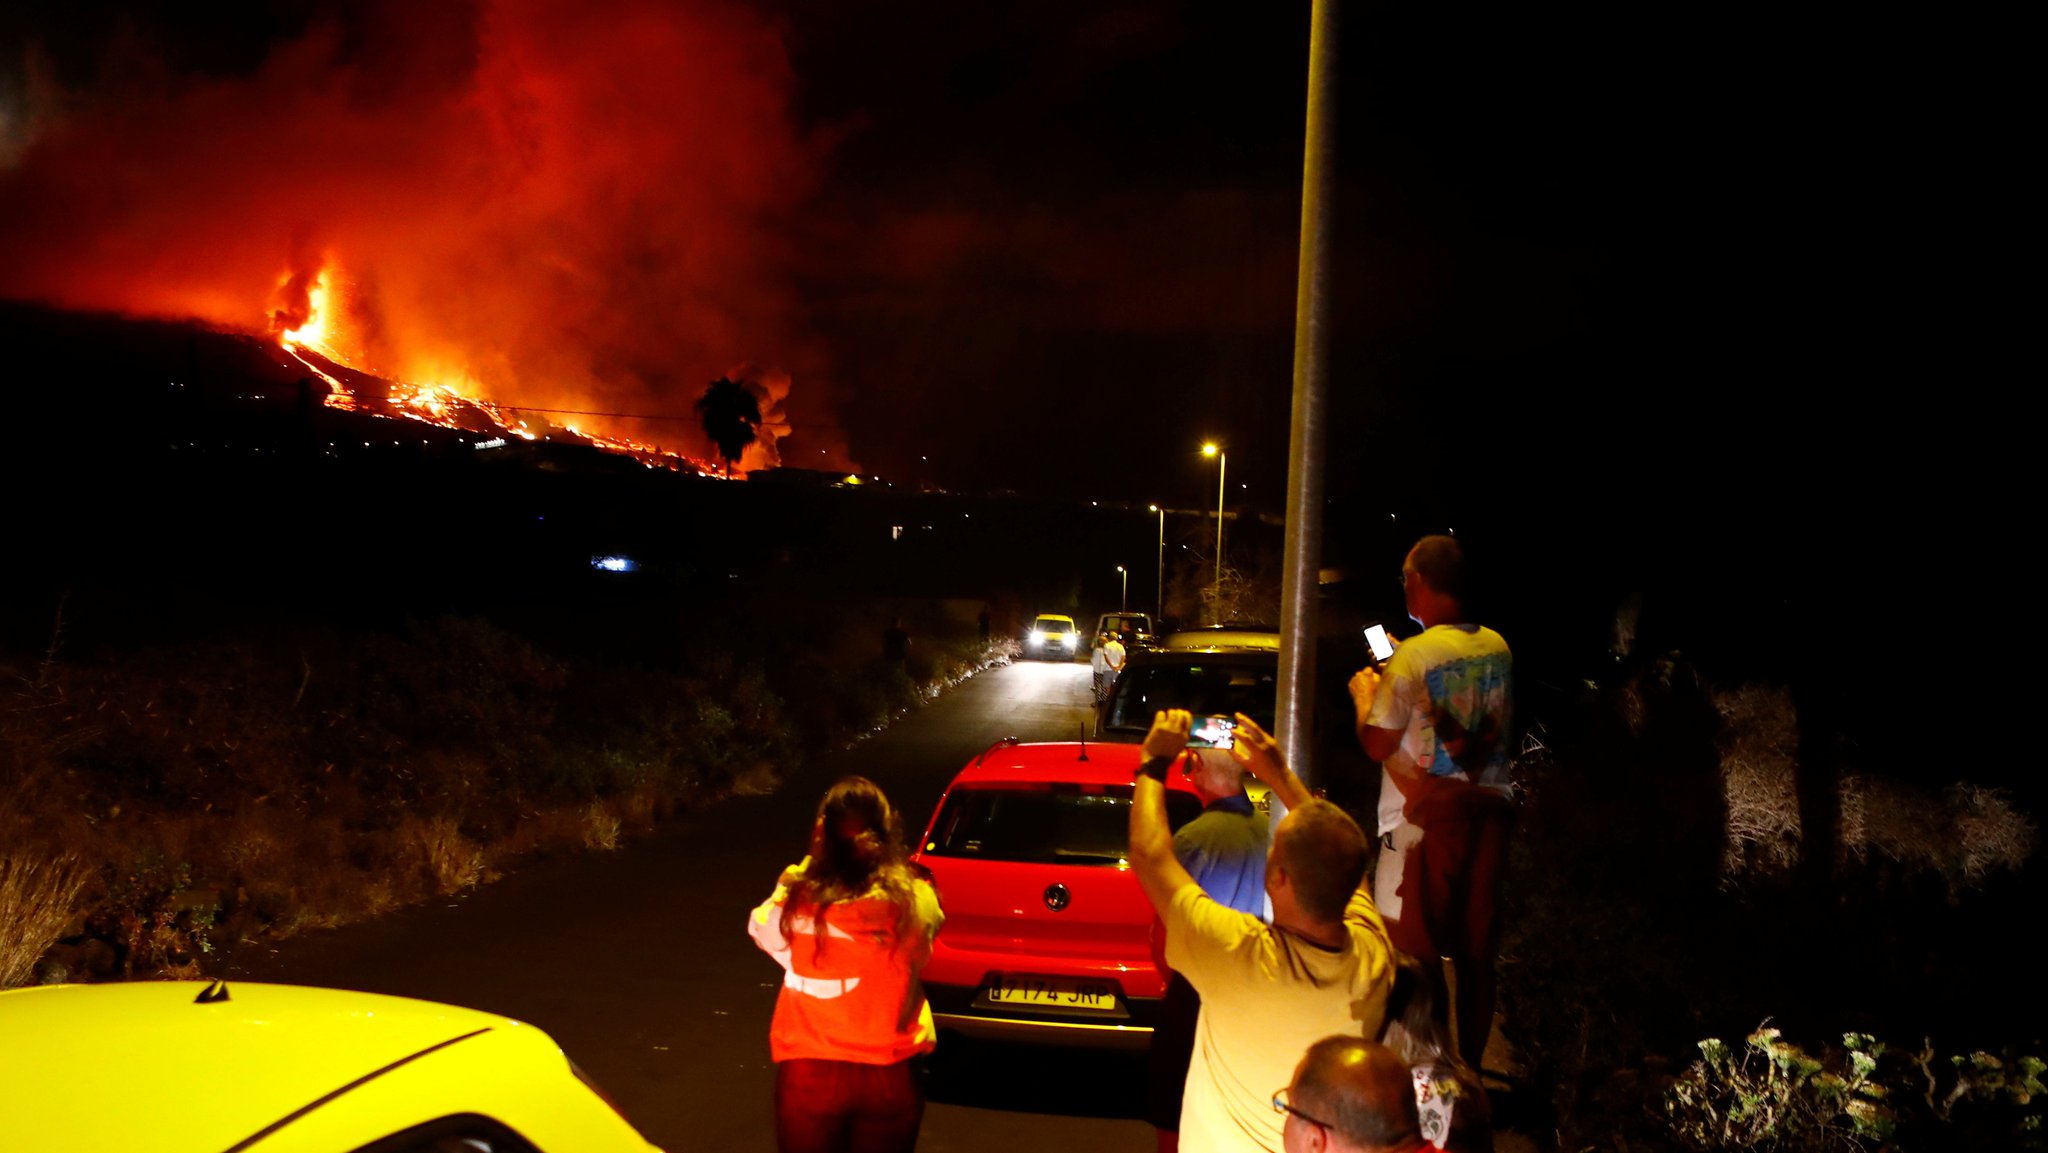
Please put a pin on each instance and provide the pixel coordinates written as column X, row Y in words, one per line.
column 1154, row 767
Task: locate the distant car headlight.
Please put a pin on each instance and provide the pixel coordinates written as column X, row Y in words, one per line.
column 1037, row 638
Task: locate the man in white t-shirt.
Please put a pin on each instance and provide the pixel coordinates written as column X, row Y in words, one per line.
column 1439, row 723
column 1324, row 966
column 1112, row 663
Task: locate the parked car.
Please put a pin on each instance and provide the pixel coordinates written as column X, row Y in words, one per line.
column 1047, row 936
column 1207, row 672
column 178, row 1066
column 1133, row 630
column 1222, row 638
column 1053, row 636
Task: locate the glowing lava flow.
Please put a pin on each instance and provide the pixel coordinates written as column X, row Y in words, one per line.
column 438, row 404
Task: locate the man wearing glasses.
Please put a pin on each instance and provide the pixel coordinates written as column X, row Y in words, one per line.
column 1349, row 1095
column 1268, row 992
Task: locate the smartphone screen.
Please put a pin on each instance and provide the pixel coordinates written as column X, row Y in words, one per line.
column 1212, row 733
column 1376, row 639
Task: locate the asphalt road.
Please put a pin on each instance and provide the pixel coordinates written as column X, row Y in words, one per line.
column 638, row 962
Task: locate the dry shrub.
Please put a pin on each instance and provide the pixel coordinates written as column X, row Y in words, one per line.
column 1965, row 833
column 541, row 831
column 255, row 849
column 38, row 896
column 641, row 806
column 600, row 828
column 756, row 780
column 1882, row 818
column 451, row 861
column 1760, row 734
column 1993, row 835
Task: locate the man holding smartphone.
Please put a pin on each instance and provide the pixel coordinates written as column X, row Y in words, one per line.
column 1323, row 966
column 1224, row 850
column 1438, row 723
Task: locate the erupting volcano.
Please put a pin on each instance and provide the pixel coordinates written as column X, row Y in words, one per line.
column 521, row 218
column 308, row 327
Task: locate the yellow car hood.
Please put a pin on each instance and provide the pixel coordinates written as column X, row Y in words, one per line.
column 147, row 1065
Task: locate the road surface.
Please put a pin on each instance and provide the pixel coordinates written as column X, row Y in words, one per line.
column 638, row 961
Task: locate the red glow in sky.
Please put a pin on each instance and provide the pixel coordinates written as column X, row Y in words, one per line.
column 562, row 205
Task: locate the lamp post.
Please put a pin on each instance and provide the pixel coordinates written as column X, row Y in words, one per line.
column 1123, row 600
column 1222, row 463
column 1159, row 602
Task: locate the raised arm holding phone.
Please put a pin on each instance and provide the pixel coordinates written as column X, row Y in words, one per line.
column 1438, row 720
column 1268, row 992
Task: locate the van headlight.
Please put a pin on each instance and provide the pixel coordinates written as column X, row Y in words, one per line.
column 1037, row 638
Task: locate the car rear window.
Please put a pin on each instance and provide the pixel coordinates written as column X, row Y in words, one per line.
column 1045, row 823
column 1202, row 688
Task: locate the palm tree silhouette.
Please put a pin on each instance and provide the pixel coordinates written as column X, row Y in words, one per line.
column 731, row 413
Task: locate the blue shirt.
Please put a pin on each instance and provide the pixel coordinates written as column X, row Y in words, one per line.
column 1224, row 850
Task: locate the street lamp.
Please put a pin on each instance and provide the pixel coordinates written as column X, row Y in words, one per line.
column 1222, row 463
column 1123, row 602
column 1159, row 605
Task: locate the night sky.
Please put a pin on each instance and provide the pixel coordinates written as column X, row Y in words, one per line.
column 1725, row 295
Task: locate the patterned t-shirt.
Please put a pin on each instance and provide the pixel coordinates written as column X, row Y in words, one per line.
column 1450, row 690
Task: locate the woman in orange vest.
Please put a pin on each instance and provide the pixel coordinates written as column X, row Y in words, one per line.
column 852, row 926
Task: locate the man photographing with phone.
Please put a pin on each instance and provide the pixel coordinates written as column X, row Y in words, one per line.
column 1224, row 850
column 1438, row 722
column 1268, row 992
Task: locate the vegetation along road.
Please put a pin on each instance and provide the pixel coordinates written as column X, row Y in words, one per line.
column 638, row 962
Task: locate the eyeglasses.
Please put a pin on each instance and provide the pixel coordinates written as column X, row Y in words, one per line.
column 1281, row 1105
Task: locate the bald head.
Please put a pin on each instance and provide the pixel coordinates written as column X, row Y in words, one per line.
column 1361, row 1091
column 1216, row 775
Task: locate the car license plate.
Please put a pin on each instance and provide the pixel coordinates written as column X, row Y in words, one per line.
column 1050, row 992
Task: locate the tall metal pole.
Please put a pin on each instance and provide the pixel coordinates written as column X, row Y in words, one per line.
column 1123, row 600
column 1159, row 603
column 1216, row 602
column 1302, row 552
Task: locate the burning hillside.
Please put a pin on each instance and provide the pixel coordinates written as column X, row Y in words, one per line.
column 306, row 327
column 543, row 218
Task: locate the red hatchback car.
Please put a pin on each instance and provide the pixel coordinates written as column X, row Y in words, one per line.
column 1047, row 934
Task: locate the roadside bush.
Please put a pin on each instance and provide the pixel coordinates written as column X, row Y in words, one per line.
column 38, row 895
column 256, row 788
column 1768, row 1093
column 1655, row 898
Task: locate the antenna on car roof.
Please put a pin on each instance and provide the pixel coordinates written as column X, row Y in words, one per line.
column 217, row 991
column 1084, row 740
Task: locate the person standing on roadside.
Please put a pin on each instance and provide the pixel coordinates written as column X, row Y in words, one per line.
column 1224, row 850
column 852, row 928
column 1112, row 663
column 1438, row 722
column 1323, row 966
column 1098, row 663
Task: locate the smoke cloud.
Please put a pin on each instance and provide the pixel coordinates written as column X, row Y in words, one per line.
column 547, row 202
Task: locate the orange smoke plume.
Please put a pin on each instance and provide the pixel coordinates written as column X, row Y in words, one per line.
column 563, row 205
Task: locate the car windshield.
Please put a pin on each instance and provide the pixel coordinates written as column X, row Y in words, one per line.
column 1204, row 689
column 1052, row 625
column 1047, row 823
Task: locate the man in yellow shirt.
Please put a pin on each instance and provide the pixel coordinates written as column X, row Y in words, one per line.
column 1324, row 966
